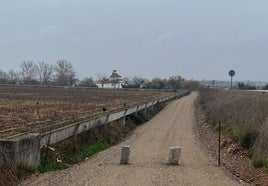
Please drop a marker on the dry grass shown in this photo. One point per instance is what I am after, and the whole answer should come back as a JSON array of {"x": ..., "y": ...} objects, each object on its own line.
[
  {"x": 8, "y": 173},
  {"x": 244, "y": 116}
]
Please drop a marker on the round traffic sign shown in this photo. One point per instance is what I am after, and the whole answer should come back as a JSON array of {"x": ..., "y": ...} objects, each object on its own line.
[{"x": 231, "y": 73}]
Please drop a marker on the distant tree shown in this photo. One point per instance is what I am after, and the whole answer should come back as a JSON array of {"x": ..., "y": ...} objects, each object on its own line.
[
  {"x": 3, "y": 77},
  {"x": 243, "y": 86},
  {"x": 190, "y": 85},
  {"x": 65, "y": 73},
  {"x": 134, "y": 82},
  {"x": 28, "y": 72},
  {"x": 87, "y": 82},
  {"x": 13, "y": 77},
  {"x": 45, "y": 72},
  {"x": 265, "y": 87},
  {"x": 250, "y": 87},
  {"x": 156, "y": 83},
  {"x": 102, "y": 78},
  {"x": 174, "y": 82},
  {"x": 137, "y": 81}
]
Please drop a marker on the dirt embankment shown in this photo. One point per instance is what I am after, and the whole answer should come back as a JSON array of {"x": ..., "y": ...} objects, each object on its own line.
[{"x": 149, "y": 143}]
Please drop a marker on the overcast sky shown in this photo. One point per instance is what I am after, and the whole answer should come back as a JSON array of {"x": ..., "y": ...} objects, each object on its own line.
[{"x": 197, "y": 39}]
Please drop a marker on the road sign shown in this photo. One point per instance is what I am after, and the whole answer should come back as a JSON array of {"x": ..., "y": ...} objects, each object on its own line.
[{"x": 231, "y": 73}]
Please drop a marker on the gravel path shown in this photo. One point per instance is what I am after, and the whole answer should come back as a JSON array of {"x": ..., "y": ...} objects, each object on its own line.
[{"x": 149, "y": 143}]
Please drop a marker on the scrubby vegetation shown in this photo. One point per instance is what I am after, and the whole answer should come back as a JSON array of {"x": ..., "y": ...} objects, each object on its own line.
[
  {"x": 8, "y": 172},
  {"x": 244, "y": 116}
]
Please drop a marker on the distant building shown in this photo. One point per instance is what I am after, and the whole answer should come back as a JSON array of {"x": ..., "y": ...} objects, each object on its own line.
[{"x": 114, "y": 81}]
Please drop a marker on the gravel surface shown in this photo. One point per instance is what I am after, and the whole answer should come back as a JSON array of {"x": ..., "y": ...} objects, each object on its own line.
[{"x": 173, "y": 126}]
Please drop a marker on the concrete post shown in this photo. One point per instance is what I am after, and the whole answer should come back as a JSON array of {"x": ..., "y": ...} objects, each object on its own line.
[
  {"x": 125, "y": 152},
  {"x": 136, "y": 113},
  {"x": 174, "y": 155},
  {"x": 124, "y": 121},
  {"x": 124, "y": 118},
  {"x": 145, "y": 109}
]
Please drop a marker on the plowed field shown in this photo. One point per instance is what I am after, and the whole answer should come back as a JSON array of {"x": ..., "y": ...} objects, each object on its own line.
[{"x": 35, "y": 109}]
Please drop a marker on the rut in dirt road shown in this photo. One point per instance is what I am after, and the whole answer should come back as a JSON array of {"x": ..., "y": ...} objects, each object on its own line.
[{"x": 149, "y": 143}]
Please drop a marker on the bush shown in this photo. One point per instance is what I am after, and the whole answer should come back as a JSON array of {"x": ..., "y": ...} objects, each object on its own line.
[
  {"x": 232, "y": 133},
  {"x": 248, "y": 139},
  {"x": 257, "y": 163}
]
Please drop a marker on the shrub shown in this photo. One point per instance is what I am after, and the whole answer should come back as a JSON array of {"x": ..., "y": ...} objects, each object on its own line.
[
  {"x": 257, "y": 163},
  {"x": 247, "y": 140},
  {"x": 232, "y": 133}
]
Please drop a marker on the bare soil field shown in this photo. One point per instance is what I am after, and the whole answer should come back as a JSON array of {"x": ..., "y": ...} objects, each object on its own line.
[
  {"x": 36, "y": 109},
  {"x": 173, "y": 126}
]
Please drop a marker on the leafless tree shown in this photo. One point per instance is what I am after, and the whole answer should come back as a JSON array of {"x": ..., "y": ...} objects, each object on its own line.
[
  {"x": 3, "y": 77},
  {"x": 102, "y": 78},
  {"x": 87, "y": 82},
  {"x": 137, "y": 80},
  {"x": 13, "y": 77},
  {"x": 28, "y": 72},
  {"x": 175, "y": 82},
  {"x": 45, "y": 72},
  {"x": 65, "y": 73}
]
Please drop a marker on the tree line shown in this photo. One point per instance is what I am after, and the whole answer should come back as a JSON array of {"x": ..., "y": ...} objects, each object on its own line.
[
  {"x": 173, "y": 83},
  {"x": 243, "y": 86},
  {"x": 63, "y": 73}
]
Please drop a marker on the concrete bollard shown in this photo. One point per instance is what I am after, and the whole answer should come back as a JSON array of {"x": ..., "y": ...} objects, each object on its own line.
[
  {"x": 125, "y": 152},
  {"x": 174, "y": 155}
]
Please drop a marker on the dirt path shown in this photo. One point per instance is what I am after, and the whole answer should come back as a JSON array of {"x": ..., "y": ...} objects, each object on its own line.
[{"x": 149, "y": 148}]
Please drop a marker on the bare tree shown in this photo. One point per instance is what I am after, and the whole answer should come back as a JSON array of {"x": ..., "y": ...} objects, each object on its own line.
[
  {"x": 45, "y": 72},
  {"x": 87, "y": 82},
  {"x": 157, "y": 83},
  {"x": 137, "y": 80},
  {"x": 102, "y": 78},
  {"x": 190, "y": 85},
  {"x": 28, "y": 72},
  {"x": 13, "y": 77},
  {"x": 3, "y": 77},
  {"x": 175, "y": 82},
  {"x": 65, "y": 73}
]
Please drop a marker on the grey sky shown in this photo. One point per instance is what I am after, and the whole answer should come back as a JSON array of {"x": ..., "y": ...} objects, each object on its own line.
[{"x": 199, "y": 39}]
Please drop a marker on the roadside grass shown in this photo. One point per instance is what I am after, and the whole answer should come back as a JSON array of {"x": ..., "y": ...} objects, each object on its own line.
[
  {"x": 79, "y": 156},
  {"x": 244, "y": 118},
  {"x": 89, "y": 151}
]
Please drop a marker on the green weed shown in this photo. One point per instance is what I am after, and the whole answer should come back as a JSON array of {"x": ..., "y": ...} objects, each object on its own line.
[{"x": 52, "y": 165}]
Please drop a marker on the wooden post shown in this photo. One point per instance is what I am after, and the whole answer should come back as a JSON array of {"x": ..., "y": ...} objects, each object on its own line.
[
  {"x": 125, "y": 152},
  {"x": 219, "y": 156},
  {"x": 174, "y": 155}
]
